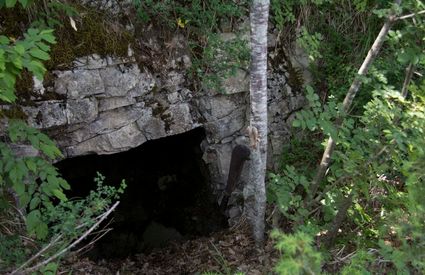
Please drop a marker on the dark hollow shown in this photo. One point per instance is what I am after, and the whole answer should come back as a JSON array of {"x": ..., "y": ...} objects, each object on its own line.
[{"x": 168, "y": 196}]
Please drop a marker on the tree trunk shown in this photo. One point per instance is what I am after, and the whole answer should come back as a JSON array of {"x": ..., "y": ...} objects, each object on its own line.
[
  {"x": 409, "y": 74},
  {"x": 258, "y": 120}
]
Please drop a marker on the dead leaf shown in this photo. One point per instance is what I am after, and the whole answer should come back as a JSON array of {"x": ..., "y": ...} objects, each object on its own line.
[{"x": 72, "y": 22}]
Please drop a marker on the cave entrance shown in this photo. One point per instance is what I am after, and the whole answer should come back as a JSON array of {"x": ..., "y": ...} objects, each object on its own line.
[{"x": 168, "y": 195}]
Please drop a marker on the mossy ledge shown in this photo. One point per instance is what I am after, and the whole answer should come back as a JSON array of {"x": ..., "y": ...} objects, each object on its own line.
[{"x": 96, "y": 33}]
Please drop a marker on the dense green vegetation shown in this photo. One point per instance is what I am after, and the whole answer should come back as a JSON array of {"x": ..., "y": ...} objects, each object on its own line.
[{"x": 370, "y": 207}]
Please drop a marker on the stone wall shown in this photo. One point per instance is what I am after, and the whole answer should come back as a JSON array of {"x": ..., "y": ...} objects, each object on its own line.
[{"x": 109, "y": 105}]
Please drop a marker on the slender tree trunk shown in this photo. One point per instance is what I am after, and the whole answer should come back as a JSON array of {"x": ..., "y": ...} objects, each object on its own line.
[
  {"x": 258, "y": 120},
  {"x": 409, "y": 74},
  {"x": 348, "y": 100}
]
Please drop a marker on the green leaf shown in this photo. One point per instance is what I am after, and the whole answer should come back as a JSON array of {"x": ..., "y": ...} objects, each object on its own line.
[
  {"x": 13, "y": 175},
  {"x": 31, "y": 165},
  {"x": 47, "y": 32},
  {"x": 20, "y": 49},
  {"x": 64, "y": 184},
  {"x": 19, "y": 187},
  {"x": 24, "y": 3},
  {"x": 311, "y": 123},
  {"x": 43, "y": 46},
  {"x": 36, "y": 68},
  {"x": 53, "y": 181},
  {"x": 10, "y": 3},
  {"x": 17, "y": 61},
  {"x": 50, "y": 269},
  {"x": 59, "y": 194},
  {"x": 35, "y": 202},
  {"x": 32, "y": 219},
  {"x": 7, "y": 95},
  {"x": 41, "y": 230},
  {"x": 24, "y": 199},
  {"x": 296, "y": 123},
  {"x": 32, "y": 32},
  {"x": 37, "y": 53},
  {"x": 50, "y": 150},
  {"x": 4, "y": 40},
  {"x": 47, "y": 35},
  {"x": 404, "y": 57}
]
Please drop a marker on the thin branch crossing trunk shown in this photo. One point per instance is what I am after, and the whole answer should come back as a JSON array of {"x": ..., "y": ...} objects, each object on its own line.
[{"x": 348, "y": 100}]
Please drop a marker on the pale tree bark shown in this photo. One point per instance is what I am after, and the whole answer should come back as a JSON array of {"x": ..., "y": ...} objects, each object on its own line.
[
  {"x": 348, "y": 100},
  {"x": 258, "y": 120}
]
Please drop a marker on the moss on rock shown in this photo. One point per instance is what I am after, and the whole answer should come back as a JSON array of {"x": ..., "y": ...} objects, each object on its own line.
[{"x": 95, "y": 34}]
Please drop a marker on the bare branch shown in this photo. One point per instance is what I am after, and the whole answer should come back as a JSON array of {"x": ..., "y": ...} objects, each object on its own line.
[
  {"x": 410, "y": 15},
  {"x": 38, "y": 254},
  {"x": 45, "y": 262}
]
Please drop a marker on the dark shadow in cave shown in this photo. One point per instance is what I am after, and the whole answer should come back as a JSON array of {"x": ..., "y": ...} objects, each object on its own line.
[{"x": 168, "y": 194}]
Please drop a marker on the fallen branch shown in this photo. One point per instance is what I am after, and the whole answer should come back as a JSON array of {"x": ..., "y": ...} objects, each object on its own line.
[
  {"x": 98, "y": 235},
  {"x": 37, "y": 254},
  {"x": 55, "y": 256}
]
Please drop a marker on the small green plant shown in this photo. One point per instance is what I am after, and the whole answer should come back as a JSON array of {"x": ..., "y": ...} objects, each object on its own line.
[
  {"x": 33, "y": 179},
  {"x": 66, "y": 222},
  {"x": 298, "y": 255},
  {"x": 64, "y": 217},
  {"x": 359, "y": 264},
  {"x": 285, "y": 190},
  {"x": 219, "y": 60},
  {"x": 310, "y": 43}
]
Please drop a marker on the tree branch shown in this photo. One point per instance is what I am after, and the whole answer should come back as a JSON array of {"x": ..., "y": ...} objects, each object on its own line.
[
  {"x": 348, "y": 100},
  {"x": 410, "y": 15}
]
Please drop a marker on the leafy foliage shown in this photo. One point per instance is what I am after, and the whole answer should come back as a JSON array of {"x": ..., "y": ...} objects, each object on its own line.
[
  {"x": 71, "y": 218},
  {"x": 219, "y": 60},
  {"x": 284, "y": 189},
  {"x": 375, "y": 168},
  {"x": 33, "y": 179},
  {"x": 66, "y": 221},
  {"x": 28, "y": 53},
  {"x": 298, "y": 254}
]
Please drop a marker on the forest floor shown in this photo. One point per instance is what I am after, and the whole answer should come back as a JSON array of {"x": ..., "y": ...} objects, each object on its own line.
[{"x": 226, "y": 252}]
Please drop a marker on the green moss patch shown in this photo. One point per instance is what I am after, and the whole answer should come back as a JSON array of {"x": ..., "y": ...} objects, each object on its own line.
[{"x": 94, "y": 35}]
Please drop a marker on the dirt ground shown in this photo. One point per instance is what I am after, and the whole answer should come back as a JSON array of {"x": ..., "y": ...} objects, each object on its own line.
[{"x": 226, "y": 252}]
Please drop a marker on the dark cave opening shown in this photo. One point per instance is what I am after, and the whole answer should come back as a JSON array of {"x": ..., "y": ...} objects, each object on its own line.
[{"x": 168, "y": 195}]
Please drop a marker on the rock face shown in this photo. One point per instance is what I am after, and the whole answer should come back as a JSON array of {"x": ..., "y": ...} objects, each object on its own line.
[{"x": 110, "y": 105}]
